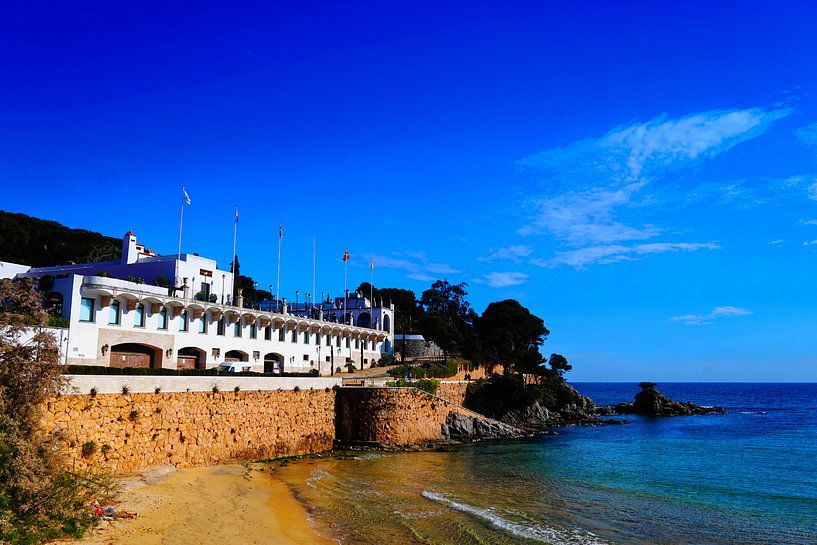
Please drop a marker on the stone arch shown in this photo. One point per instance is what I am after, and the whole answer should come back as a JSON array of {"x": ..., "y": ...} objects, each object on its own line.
[
  {"x": 273, "y": 363},
  {"x": 137, "y": 355},
  {"x": 236, "y": 355},
  {"x": 364, "y": 319},
  {"x": 387, "y": 323},
  {"x": 191, "y": 357}
]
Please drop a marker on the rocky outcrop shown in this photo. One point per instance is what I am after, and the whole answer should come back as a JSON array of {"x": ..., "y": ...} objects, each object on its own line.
[
  {"x": 651, "y": 402},
  {"x": 464, "y": 427}
]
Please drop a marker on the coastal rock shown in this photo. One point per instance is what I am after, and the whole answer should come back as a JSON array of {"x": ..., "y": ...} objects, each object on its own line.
[
  {"x": 464, "y": 427},
  {"x": 651, "y": 402}
]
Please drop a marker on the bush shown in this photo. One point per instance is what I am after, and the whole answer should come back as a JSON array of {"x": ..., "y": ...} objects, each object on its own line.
[
  {"x": 88, "y": 449},
  {"x": 58, "y": 321},
  {"x": 427, "y": 385},
  {"x": 350, "y": 367},
  {"x": 386, "y": 360}
]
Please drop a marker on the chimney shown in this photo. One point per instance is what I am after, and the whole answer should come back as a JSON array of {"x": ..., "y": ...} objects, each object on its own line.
[{"x": 129, "y": 253}]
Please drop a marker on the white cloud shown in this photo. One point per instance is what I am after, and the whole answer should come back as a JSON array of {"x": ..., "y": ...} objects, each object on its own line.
[
  {"x": 607, "y": 176},
  {"x": 777, "y": 241},
  {"x": 587, "y": 217},
  {"x": 730, "y": 311},
  {"x": 415, "y": 264},
  {"x": 639, "y": 150},
  {"x": 808, "y": 222},
  {"x": 614, "y": 253},
  {"x": 515, "y": 253},
  {"x": 503, "y": 279},
  {"x": 717, "y": 312},
  {"x": 809, "y": 242}
]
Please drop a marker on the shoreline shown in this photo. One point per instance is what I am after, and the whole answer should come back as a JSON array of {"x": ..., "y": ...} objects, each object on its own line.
[{"x": 236, "y": 504}]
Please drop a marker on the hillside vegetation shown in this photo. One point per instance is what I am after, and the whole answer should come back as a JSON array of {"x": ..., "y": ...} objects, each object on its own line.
[{"x": 42, "y": 243}]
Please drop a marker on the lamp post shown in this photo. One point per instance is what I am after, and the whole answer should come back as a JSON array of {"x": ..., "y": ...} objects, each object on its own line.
[{"x": 223, "y": 277}]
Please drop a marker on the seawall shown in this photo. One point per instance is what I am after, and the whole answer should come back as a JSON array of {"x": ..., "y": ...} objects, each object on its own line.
[
  {"x": 395, "y": 416},
  {"x": 123, "y": 433}
]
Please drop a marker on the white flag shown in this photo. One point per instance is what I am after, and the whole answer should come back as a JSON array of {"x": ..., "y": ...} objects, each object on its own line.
[{"x": 186, "y": 196}]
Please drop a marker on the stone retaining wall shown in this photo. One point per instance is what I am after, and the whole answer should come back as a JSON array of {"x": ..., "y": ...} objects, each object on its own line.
[
  {"x": 123, "y": 433},
  {"x": 389, "y": 416},
  {"x": 136, "y": 384},
  {"x": 453, "y": 391}
]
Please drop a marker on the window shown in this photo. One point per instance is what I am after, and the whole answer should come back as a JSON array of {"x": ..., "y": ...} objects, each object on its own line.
[
  {"x": 203, "y": 323},
  {"x": 139, "y": 316},
  {"x": 237, "y": 328},
  {"x": 329, "y": 340},
  {"x": 253, "y": 331},
  {"x": 183, "y": 321},
  {"x": 220, "y": 327},
  {"x": 268, "y": 333},
  {"x": 365, "y": 345},
  {"x": 357, "y": 343},
  {"x": 337, "y": 341},
  {"x": 348, "y": 342},
  {"x": 306, "y": 337},
  {"x": 294, "y": 336},
  {"x": 113, "y": 313},
  {"x": 163, "y": 318},
  {"x": 318, "y": 339},
  {"x": 87, "y": 309},
  {"x": 282, "y": 334}
]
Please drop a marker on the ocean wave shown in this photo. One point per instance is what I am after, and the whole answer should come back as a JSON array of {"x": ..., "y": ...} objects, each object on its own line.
[{"x": 543, "y": 534}]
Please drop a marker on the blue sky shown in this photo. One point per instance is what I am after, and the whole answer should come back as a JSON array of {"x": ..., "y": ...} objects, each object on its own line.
[{"x": 644, "y": 177}]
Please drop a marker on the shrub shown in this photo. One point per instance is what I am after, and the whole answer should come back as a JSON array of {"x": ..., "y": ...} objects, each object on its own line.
[
  {"x": 93, "y": 391},
  {"x": 58, "y": 321},
  {"x": 158, "y": 390},
  {"x": 428, "y": 385},
  {"x": 134, "y": 415},
  {"x": 427, "y": 370},
  {"x": 215, "y": 388},
  {"x": 296, "y": 389},
  {"x": 125, "y": 390},
  {"x": 88, "y": 449},
  {"x": 41, "y": 497},
  {"x": 350, "y": 367},
  {"x": 237, "y": 389},
  {"x": 385, "y": 360},
  {"x": 314, "y": 373}
]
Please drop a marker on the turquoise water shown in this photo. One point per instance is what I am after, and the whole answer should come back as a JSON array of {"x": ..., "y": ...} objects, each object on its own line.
[{"x": 747, "y": 477}]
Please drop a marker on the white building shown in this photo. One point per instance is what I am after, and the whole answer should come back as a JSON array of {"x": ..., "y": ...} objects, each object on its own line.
[{"x": 117, "y": 317}]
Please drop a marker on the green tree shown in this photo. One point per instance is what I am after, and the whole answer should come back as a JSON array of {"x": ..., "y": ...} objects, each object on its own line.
[
  {"x": 448, "y": 319},
  {"x": 559, "y": 364},
  {"x": 510, "y": 334}
]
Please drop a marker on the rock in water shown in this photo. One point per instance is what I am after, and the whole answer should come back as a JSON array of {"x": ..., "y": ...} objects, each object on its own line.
[{"x": 650, "y": 402}]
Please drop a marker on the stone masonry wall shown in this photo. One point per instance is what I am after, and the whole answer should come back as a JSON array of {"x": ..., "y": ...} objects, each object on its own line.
[
  {"x": 124, "y": 433},
  {"x": 389, "y": 416},
  {"x": 452, "y": 391}
]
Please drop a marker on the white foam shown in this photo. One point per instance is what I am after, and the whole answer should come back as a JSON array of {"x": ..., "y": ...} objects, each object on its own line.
[{"x": 543, "y": 534}]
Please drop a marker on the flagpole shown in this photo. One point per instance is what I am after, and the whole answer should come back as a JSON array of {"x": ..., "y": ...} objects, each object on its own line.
[
  {"x": 181, "y": 222},
  {"x": 314, "y": 295},
  {"x": 278, "y": 279},
  {"x": 371, "y": 292},
  {"x": 235, "y": 236}
]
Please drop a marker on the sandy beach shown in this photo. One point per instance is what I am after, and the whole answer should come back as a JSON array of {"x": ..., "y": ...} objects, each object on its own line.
[{"x": 203, "y": 506}]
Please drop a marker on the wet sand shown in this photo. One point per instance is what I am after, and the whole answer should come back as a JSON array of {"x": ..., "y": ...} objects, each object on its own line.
[{"x": 203, "y": 506}]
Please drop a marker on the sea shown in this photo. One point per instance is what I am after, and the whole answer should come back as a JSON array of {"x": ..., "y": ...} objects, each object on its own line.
[{"x": 746, "y": 477}]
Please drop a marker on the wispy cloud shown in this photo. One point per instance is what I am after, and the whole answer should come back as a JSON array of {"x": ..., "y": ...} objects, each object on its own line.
[
  {"x": 415, "y": 264},
  {"x": 587, "y": 217},
  {"x": 632, "y": 152},
  {"x": 717, "y": 312},
  {"x": 608, "y": 176},
  {"x": 808, "y": 134},
  {"x": 808, "y": 222},
  {"x": 515, "y": 253},
  {"x": 776, "y": 241},
  {"x": 615, "y": 253},
  {"x": 503, "y": 279},
  {"x": 809, "y": 242}
]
